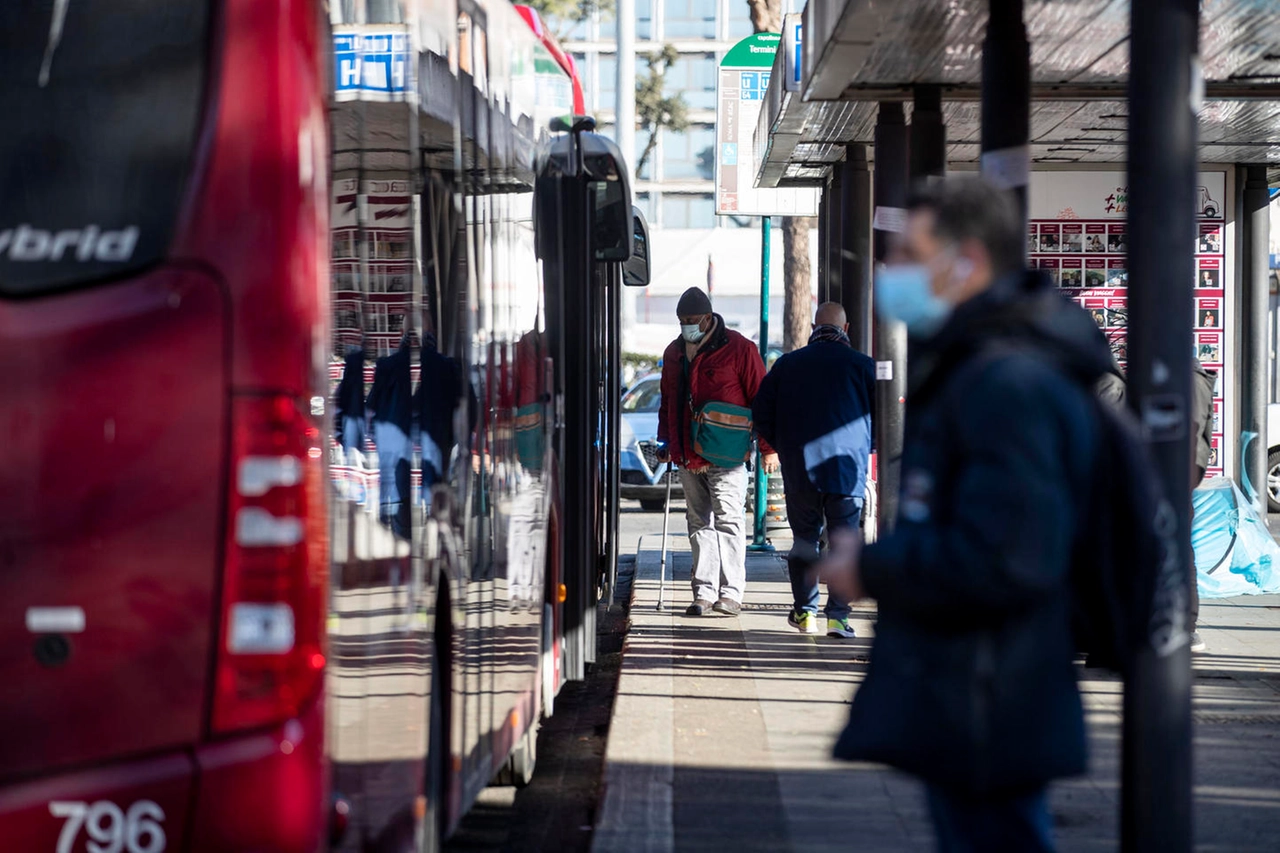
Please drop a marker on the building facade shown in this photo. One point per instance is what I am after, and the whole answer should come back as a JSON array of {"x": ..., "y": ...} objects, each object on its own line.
[{"x": 674, "y": 187}]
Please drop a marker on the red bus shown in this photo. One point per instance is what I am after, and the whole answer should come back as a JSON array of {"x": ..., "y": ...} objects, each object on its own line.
[{"x": 246, "y": 609}]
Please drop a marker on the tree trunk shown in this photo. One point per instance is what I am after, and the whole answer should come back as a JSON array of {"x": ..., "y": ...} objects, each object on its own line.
[
  {"x": 798, "y": 281},
  {"x": 766, "y": 17}
]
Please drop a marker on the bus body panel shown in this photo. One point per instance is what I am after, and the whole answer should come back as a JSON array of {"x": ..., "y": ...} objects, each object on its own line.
[
  {"x": 115, "y": 434},
  {"x": 259, "y": 209},
  {"x": 264, "y": 791},
  {"x": 52, "y": 814},
  {"x": 120, "y": 386}
]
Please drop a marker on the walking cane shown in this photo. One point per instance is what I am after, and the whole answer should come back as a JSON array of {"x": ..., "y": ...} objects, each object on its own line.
[{"x": 666, "y": 515}]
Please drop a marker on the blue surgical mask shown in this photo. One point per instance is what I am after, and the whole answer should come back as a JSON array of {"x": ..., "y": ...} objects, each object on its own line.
[
  {"x": 903, "y": 293},
  {"x": 692, "y": 332}
]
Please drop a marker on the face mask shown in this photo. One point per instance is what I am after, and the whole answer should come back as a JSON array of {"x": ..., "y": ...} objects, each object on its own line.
[
  {"x": 692, "y": 332},
  {"x": 903, "y": 293}
]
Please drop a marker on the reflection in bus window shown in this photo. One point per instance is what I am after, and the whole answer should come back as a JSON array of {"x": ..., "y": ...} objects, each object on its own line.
[
  {"x": 390, "y": 407},
  {"x": 439, "y": 389}
]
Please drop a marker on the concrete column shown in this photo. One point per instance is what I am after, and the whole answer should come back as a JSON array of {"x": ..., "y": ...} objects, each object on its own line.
[
  {"x": 1006, "y": 99},
  {"x": 1255, "y": 299},
  {"x": 855, "y": 245},
  {"x": 824, "y": 215},
  {"x": 890, "y": 347},
  {"x": 835, "y": 217},
  {"x": 928, "y": 135}
]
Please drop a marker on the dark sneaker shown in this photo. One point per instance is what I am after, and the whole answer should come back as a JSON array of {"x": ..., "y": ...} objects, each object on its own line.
[
  {"x": 804, "y": 622},
  {"x": 840, "y": 628},
  {"x": 727, "y": 606},
  {"x": 1197, "y": 644},
  {"x": 697, "y": 608}
]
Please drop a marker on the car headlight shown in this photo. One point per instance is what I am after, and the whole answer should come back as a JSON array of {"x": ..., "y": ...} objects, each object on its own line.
[{"x": 626, "y": 435}]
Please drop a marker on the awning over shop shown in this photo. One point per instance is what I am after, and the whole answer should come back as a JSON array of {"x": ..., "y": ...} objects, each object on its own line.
[{"x": 855, "y": 53}]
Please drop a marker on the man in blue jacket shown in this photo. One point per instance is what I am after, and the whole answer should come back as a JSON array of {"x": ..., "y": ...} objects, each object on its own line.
[
  {"x": 814, "y": 408},
  {"x": 971, "y": 684}
]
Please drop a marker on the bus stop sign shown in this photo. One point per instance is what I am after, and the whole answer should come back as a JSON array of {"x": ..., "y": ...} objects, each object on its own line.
[{"x": 740, "y": 90}]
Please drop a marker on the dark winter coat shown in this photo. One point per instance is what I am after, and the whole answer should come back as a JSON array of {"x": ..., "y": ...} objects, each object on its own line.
[
  {"x": 726, "y": 369},
  {"x": 815, "y": 408},
  {"x": 1112, "y": 389},
  {"x": 1202, "y": 382},
  {"x": 971, "y": 683},
  {"x": 390, "y": 398},
  {"x": 435, "y": 400},
  {"x": 349, "y": 398}
]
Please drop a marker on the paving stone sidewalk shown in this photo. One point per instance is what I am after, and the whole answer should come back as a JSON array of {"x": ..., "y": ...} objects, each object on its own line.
[{"x": 722, "y": 732}]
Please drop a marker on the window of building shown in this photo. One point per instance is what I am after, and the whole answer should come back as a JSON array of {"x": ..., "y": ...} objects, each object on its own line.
[
  {"x": 688, "y": 210},
  {"x": 739, "y": 21},
  {"x": 690, "y": 18},
  {"x": 694, "y": 76},
  {"x": 689, "y": 155},
  {"x": 566, "y": 31},
  {"x": 607, "y": 84},
  {"x": 644, "y": 22},
  {"x": 607, "y": 81},
  {"x": 645, "y": 202}
]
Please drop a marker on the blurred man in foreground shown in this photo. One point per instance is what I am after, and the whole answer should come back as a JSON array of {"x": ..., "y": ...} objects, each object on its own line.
[
  {"x": 815, "y": 408},
  {"x": 972, "y": 685}
]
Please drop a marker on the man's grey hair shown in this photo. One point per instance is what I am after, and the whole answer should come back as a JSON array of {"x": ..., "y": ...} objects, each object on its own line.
[{"x": 970, "y": 208}]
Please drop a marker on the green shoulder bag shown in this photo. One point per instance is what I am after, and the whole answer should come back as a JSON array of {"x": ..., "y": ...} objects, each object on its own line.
[{"x": 721, "y": 432}]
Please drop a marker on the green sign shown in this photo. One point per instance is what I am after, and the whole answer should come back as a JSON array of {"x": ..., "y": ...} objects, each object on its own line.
[
  {"x": 741, "y": 84},
  {"x": 755, "y": 51}
]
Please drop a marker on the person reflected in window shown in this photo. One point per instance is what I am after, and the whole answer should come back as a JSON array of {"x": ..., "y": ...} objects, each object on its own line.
[
  {"x": 348, "y": 408},
  {"x": 390, "y": 406},
  {"x": 434, "y": 404}
]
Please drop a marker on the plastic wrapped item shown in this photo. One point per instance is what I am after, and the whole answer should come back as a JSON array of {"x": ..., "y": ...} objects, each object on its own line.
[{"x": 1235, "y": 554}]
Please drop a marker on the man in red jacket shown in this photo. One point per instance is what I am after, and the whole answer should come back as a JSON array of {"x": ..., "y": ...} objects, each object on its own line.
[{"x": 723, "y": 367}]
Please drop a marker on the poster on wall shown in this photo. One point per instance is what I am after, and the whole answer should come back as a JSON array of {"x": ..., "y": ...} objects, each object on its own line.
[{"x": 1078, "y": 236}]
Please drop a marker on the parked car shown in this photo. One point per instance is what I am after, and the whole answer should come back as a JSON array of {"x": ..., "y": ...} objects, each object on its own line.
[
  {"x": 641, "y": 473},
  {"x": 1273, "y": 457}
]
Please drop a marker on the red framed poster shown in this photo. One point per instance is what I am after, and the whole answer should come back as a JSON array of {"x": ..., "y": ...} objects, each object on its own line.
[{"x": 1087, "y": 260}]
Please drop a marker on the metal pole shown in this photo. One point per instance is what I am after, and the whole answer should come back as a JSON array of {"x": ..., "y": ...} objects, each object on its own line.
[
  {"x": 625, "y": 127},
  {"x": 835, "y": 215},
  {"x": 855, "y": 242},
  {"x": 1255, "y": 300},
  {"x": 890, "y": 350},
  {"x": 1006, "y": 100},
  {"x": 824, "y": 235},
  {"x": 759, "y": 542},
  {"x": 928, "y": 135},
  {"x": 1156, "y": 764}
]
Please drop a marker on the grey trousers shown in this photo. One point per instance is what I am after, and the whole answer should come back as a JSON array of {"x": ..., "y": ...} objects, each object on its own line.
[{"x": 716, "y": 511}]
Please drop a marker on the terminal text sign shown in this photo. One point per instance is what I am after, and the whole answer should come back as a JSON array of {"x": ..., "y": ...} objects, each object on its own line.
[{"x": 740, "y": 91}]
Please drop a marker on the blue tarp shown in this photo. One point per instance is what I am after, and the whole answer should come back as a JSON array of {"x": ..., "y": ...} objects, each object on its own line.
[{"x": 1235, "y": 554}]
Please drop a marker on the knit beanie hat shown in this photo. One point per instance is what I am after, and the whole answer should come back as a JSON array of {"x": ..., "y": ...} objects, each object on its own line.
[{"x": 693, "y": 302}]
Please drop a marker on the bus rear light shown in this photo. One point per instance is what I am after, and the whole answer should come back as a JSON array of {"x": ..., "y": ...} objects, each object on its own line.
[
  {"x": 258, "y": 528},
  {"x": 258, "y": 475},
  {"x": 260, "y": 629},
  {"x": 271, "y": 651}
]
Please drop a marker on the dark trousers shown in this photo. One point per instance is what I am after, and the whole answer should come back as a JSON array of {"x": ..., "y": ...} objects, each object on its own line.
[
  {"x": 810, "y": 514},
  {"x": 1018, "y": 824}
]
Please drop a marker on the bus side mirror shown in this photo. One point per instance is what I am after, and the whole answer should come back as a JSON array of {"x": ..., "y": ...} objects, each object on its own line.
[
  {"x": 635, "y": 269},
  {"x": 610, "y": 212}
]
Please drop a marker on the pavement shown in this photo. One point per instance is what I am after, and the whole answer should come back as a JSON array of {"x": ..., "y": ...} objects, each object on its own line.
[{"x": 722, "y": 730}]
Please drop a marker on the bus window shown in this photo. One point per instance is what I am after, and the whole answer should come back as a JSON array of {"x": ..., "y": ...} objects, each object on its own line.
[{"x": 101, "y": 108}]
